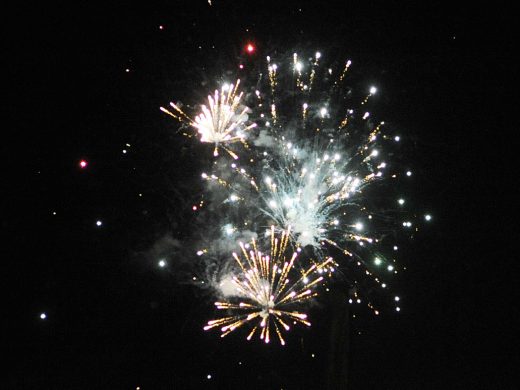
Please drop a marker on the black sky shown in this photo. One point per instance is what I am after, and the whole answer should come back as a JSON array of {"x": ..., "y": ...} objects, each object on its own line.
[{"x": 116, "y": 321}]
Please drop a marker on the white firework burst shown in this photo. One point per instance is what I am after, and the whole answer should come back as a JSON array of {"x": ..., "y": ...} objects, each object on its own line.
[{"x": 222, "y": 121}]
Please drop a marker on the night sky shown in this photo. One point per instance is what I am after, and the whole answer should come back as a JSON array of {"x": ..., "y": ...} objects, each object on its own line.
[{"x": 87, "y": 83}]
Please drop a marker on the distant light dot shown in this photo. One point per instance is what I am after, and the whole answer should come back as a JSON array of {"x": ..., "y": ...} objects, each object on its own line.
[
  {"x": 377, "y": 261},
  {"x": 318, "y": 55},
  {"x": 162, "y": 263},
  {"x": 127, "y": 70},
  {"x": 397, "y": 308},
  {"x": 194, "y": 208},
  {"x": 397, "y": 138},
  {"x": 124, "y": 151},
  {"x": 250, "y": 48},
  {"x": 359, "y": 226},
  {"x": 99, "y": 223},
  {"x": 383, "y": 285},
  {"x": 323, "y": 112},
  {"x": 409, "y": 173},
  {"x": 299, "y": 66},
  {"x": 209, "y": 376},
  {"x": 313, "y": 355},
  {"x": 428, "y": 217},
  {"x": 83, "y": 163},
  {"x": 373, "y": 90},
  {"x": 395, "y": 247},
  {"x": 401, "y": 201},
  {"x": 43, "y": 316},
  {"x": 161, "y": 27},
  {"x": 396, "y": 299},
  {"x": 54, "y": 213},
  {"x": 390, "y": 267},
  {"x": 241, "y": 66}
]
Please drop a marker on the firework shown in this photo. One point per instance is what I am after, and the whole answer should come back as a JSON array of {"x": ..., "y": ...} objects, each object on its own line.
[
  {"x": 318, "y": 169},
  {"x": 318, "y": 196},
  {"x": 267, "y": 288},
  {"x": 222, "y": 121},
  {"x": 320, "y": 164}
]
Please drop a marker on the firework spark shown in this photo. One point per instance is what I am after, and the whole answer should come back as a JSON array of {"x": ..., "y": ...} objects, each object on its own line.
[
  {"x": 222, "y": 121},
  {"x": 266, "y": 290}
]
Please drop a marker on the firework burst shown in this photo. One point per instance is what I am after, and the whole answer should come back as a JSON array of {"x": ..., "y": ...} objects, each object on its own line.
[
  {"x": 222, "y": 121},
  {"x": 267, "y": 288},
  {"x": 317, "y": 196}
]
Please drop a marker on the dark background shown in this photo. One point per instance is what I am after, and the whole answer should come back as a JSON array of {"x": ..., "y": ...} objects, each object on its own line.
[{"x": 118, "y": 321}]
